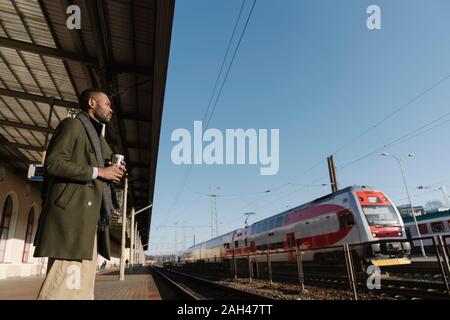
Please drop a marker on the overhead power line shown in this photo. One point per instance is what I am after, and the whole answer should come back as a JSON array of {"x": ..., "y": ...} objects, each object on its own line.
[
  {"x": 414, "y": 133},
  {"x": 231, "y": 64},
  {"x": 390, "y": 115},
  {"x": 188, "y": 171}
]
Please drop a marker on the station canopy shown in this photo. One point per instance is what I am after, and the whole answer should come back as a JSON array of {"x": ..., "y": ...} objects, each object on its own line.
[{"x": 121, "y": 46}]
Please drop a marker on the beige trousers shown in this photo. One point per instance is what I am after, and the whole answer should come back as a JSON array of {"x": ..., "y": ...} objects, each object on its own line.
[{"x": 70, "y": 279}]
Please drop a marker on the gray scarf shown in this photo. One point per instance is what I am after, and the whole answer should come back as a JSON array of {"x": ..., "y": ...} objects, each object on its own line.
[{"x": 107, "y": 204}]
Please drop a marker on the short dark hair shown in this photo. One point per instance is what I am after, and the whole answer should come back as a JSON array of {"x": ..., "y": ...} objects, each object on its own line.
[{"x": 86, "y": 95}]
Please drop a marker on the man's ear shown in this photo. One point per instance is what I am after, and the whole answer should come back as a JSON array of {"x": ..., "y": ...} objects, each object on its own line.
[{"x": 91, "y": 103}]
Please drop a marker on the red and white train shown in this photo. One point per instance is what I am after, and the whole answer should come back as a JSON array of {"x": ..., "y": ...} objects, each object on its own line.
[{"x": 353, "y": 215}]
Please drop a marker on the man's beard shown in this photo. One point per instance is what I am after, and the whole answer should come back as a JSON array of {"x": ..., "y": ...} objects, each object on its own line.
[{"x": 104, "y": 119}]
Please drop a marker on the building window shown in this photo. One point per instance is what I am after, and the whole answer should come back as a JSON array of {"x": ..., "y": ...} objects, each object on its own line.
[
  {"x": 423, "y": 228},
  {"x": 28, "y": 235},
  {"x": 4, "y": 225},
  {"x": 437, "y": 227}
]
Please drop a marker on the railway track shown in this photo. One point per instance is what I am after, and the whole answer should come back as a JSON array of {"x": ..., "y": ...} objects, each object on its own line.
[
  {"x": 195, "y": 288},
  {"x": 423, "y": 271},
  {"x": 429, "y": 272},
  {"x": 391, "y": 286},
  {"x": 417, "y": 269}
]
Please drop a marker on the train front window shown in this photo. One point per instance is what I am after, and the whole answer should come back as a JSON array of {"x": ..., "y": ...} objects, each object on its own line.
[{"x": 381, "y": 215}]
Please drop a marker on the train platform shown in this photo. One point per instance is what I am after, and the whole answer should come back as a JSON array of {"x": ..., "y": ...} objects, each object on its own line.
[{"x": 139, "y": 284}]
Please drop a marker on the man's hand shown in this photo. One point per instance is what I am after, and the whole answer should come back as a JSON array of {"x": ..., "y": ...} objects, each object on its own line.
[{"x": 112, "y": 173}]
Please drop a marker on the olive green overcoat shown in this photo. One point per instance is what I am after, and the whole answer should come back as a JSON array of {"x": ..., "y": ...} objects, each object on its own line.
[{"x": 73, "y": 201}]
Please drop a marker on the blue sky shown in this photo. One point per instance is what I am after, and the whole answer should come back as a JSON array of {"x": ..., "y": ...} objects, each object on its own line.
[{"x": 314, "y": 71}]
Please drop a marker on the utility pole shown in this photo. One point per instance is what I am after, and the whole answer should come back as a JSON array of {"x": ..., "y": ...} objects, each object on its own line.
[
  {"x": 183, "y": 234},
  {"x": 137, "y": 244},
  {"x": 333, "y": 175},
  {"x": 214, "y": 219},
  {"x": 124, "y": 224},
  {"x": 176, "y": 239},
  {"x": 175, "y": 226},
  {"x": 132, "y": 244}
]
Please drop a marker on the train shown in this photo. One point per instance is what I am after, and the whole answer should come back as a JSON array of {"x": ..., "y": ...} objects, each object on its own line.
[
  {"x": 430, "y": 224},
  {"x": 360, "y": 216}
]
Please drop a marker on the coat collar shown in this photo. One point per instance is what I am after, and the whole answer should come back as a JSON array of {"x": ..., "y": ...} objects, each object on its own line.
[{"x": 97, "y": 124}]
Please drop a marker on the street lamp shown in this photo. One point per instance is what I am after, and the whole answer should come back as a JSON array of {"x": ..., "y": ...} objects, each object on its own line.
[{"x": 399, "y": 160}]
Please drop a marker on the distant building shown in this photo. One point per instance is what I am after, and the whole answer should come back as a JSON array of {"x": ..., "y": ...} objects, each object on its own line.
[{"x": 405, "y": 210}]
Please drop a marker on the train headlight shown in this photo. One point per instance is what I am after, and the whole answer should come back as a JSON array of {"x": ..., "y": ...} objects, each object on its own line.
[
  {"x": 374, "y": 235},
  {"x": 400, "y": 234}
]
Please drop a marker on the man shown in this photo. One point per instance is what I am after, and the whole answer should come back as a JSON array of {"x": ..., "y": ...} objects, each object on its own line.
[{"x": 74, "y": 224}]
